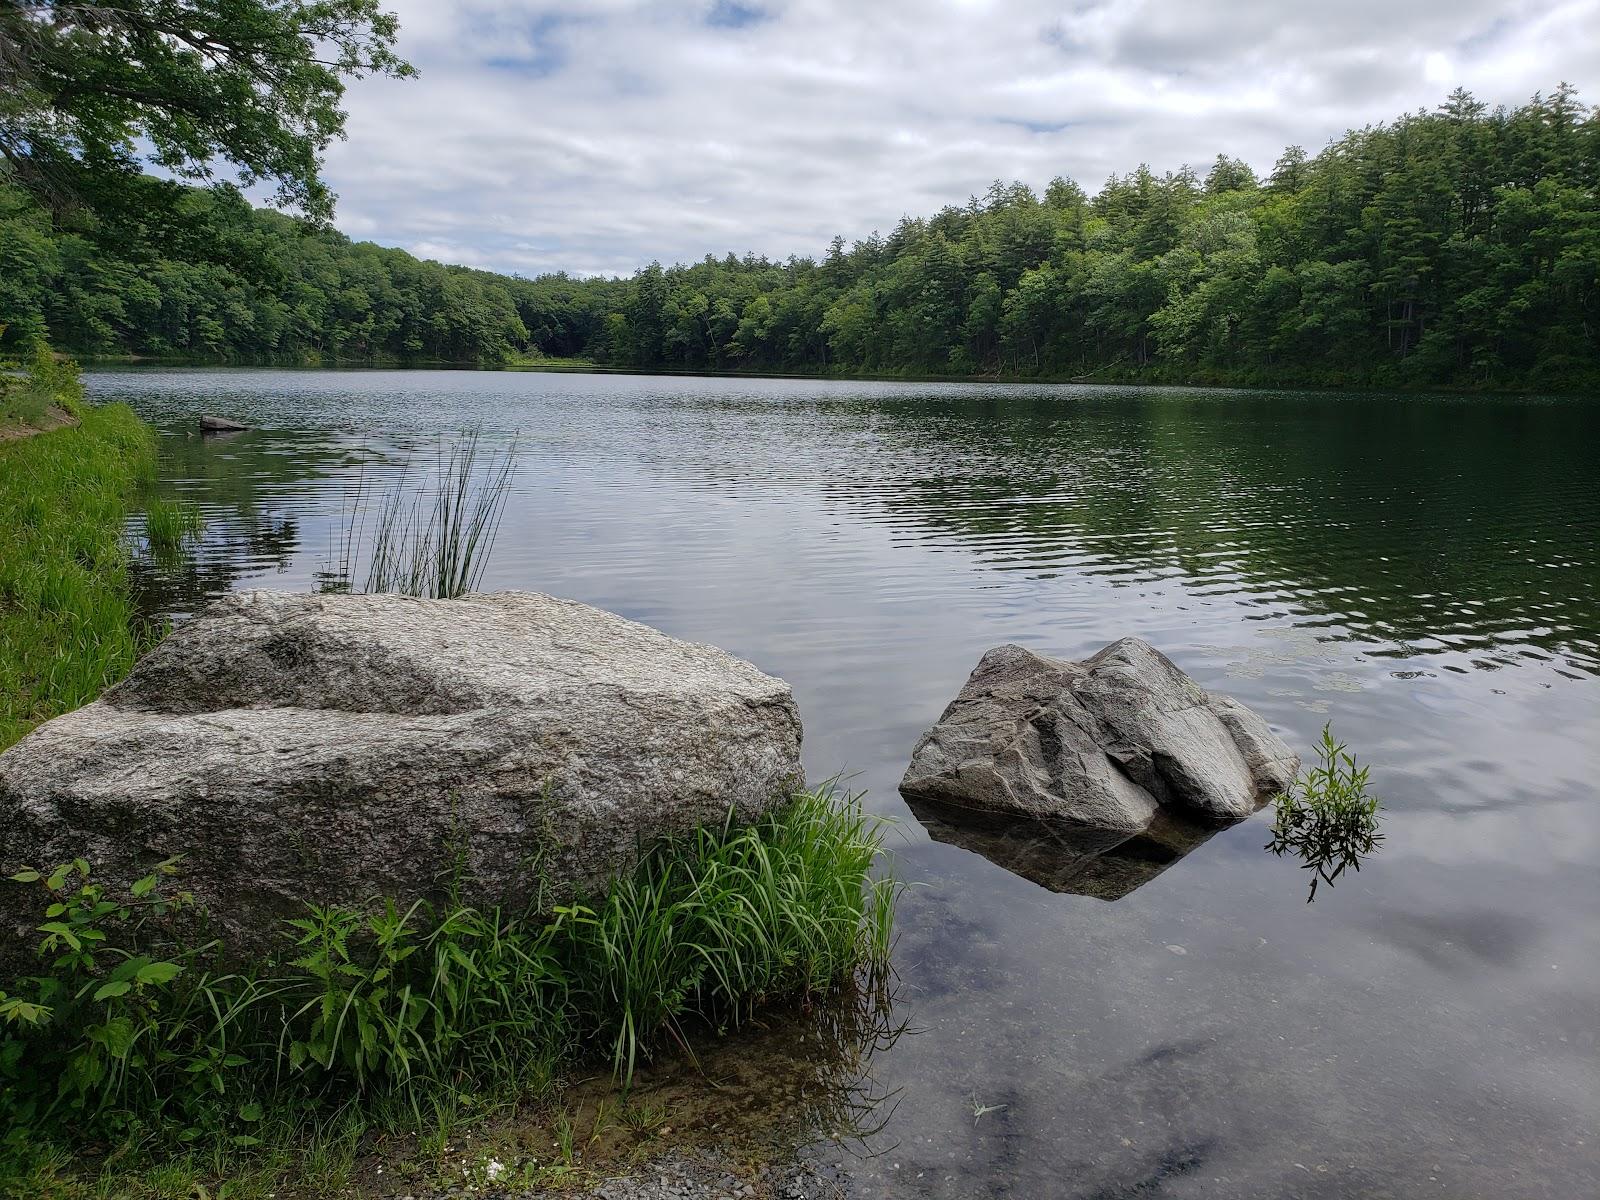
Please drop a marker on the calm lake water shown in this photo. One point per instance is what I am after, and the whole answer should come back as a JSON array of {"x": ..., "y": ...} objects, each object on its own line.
[{"x": 1423, "y": 572}]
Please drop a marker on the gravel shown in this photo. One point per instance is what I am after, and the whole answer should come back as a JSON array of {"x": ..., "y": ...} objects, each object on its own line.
[{"x": 681, "y": 1176}]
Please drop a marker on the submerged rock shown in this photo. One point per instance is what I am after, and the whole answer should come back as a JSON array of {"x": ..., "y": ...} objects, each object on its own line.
[
  {"x": 1105, "y": 744},
  {"x": 220, "y": 425},
  {"x": 342, "y": 747}
]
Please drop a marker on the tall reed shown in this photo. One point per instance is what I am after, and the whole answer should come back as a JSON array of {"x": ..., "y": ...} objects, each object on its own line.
[{"x": 434, "y": 539}]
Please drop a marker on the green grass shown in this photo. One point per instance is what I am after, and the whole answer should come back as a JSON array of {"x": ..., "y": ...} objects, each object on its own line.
[
  {"x": 68, "y": 626},
  {"x": 402, "y": 1017},
  {"x": 170, "y": 524}
]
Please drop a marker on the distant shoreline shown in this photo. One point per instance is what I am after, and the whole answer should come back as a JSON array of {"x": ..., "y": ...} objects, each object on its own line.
[{"x": 1102, "y": 378}]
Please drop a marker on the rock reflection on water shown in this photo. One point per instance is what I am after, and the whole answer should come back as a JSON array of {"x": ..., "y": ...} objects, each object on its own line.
[{"x": 1065, "y": 856}]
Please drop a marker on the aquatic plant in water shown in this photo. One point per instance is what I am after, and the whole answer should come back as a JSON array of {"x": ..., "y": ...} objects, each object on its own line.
[
  {"x": 169, "y": 524},
  {"x": 435, "y": 541},
  {"x": 1327, "y": 817}
]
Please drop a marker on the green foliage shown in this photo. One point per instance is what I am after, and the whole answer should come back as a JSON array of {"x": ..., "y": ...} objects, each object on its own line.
[
  {"x": 132, "y": 1029},
  {"x": 1327, "y": 817},
  {"x": 68, "y": 624},
  {"x": 1453, "y": 248},
  {"x": 713, "y": 925},
  {"x": 255, "y": 82},
  {"x": 30, "y": 391},
  {"x": 197, "y": 274}
]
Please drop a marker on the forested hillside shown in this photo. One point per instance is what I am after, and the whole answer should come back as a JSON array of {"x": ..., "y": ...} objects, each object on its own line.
[{"x": 1459, "y": 247}]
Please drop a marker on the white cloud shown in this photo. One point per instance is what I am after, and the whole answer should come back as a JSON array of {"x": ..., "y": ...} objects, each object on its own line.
[{"x": 600, "y": 135}]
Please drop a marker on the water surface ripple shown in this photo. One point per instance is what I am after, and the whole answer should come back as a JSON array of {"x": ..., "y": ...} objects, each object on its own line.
[{"x": 1422, "y": 571}]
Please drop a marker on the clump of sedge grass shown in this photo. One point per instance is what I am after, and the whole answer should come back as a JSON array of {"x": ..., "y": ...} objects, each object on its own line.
[
  {"x": 396, "y": 1010},
  {"x": 1327, "y": 817},
  {"x": 170, "y": 524},
  {"x": 434, "y": 538},
  {"x": 710, "y": 926}
]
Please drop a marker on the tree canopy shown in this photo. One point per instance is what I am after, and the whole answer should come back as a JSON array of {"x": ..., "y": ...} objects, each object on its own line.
[
  {"x": 1459, "y": 247},
  {"x": 254, "y": 83}
]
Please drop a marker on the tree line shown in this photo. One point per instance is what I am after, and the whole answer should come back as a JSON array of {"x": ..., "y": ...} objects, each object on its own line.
[{"x": 1458, "y": 247}]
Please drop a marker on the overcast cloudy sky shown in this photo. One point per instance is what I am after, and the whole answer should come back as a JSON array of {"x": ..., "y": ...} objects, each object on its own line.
[{"x": 598, "y": 135}]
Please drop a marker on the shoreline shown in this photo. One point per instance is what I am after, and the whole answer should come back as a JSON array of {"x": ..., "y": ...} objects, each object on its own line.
[{"x": 559, "y": 367}]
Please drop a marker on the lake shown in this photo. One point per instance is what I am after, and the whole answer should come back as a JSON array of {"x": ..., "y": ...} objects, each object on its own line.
[{"x": 1423, "y": 572}]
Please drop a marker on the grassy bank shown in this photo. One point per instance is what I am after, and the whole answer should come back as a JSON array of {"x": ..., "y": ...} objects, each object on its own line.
[
  {"x": 68, "y": 627},
  {"x": 134, "y": 1064}
]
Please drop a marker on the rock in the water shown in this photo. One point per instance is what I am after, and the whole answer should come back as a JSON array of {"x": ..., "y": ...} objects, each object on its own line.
[
  {"x": 340, "y": 748},
  {"x": 220, "y": 425},
  {"x": 1106, "y": 743}
]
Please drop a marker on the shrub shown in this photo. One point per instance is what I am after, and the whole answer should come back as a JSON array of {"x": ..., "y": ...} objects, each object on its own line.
[{"x": 45, "y": 383}]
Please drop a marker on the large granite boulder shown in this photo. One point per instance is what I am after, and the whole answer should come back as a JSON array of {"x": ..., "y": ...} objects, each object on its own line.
[
  {"x": 1106, "y": 743},
  {"x": 340, "y": 748}
]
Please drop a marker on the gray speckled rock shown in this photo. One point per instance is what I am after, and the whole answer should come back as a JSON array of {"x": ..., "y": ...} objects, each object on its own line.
[
  {"x": 313, "y": 748},
  {"x": 1106, "y": 742}
]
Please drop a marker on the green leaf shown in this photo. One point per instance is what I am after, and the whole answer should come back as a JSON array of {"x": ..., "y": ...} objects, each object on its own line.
[
  {"x": 250, "y": 1112},
  {"x": 143, "y": 887},
  {"x": 27, "y": 875},
  {"x": 22, "y": 1012},
  {"x": 116, "y": 1036},
  {"x": 159, "y": 972},
  {"x": 57, "y": 929},
  {"x": 110, "y": 991}
]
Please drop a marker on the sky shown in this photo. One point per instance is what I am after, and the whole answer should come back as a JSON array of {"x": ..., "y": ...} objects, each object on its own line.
[{"x": 597, "y": 136}]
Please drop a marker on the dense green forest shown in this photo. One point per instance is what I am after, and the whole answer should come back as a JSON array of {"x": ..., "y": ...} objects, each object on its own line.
[{"x": 1454, "y": 248}]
